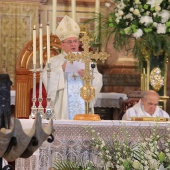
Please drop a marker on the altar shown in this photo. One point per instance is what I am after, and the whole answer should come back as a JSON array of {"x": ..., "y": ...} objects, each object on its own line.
[{"x": 73, "y": 142}]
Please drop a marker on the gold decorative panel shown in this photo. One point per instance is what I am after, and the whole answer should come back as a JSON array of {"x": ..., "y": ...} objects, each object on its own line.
[{"x": 16, "y": 24}]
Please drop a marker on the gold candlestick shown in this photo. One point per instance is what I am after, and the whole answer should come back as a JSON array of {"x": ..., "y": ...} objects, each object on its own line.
[{"x": 87, "y": 92}]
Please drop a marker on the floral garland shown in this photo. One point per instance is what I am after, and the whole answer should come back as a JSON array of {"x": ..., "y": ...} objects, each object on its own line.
[{"x": 146, "y": 23}]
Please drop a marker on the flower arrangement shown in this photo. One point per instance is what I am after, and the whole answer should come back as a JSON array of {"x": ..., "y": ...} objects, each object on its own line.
[
  {"x": 144, "y": 23},
  {"x": 152, "y": 153}
]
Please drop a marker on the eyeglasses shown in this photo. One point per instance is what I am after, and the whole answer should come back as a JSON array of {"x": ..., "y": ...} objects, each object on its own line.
[{"x": 71, "y": 42}]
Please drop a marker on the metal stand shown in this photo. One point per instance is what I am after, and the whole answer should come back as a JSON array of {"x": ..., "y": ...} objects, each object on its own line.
[
  {"x": 34, "y": 108},
  {"x": 49, "y": 112},
  {"x": 92, "y": 104},
  {"x": 40, "y": 99},
  {"x": 6, "y": 167},
  {"x": 1, "y": 162}
]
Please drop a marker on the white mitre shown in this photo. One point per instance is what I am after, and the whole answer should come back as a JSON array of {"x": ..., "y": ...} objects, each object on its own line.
[{"x": 67, "y": 28}]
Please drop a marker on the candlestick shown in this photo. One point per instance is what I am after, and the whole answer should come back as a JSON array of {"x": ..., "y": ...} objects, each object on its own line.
[
  {"x": 97, "y": 6},
  {"x": 73, "y": 9},
  {"x": 41, "y": 45},
  {"x": 40, "y": 99},
  {"x": 48, "y": 43},
  {"x": 34, "y": 45},
  {"x": 54, "y": 17},
  {"x": 49, "y": 112},
  {"x": 33, "y": 108}
]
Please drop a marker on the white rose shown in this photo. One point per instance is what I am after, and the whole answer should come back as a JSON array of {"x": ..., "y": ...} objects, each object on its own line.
[
  {"x": 120, "y": 12},
  {"x": 154, "y": 3},
  {"x": 121, "y": 5},
  {"x": 138, "y": 33},
  {"x": 157, "y": 8},
  {"x": 146, "y": 20},
  {"x": 154, "y": 14},
  {"x": 117, "y": 15},
  {"x": 107, "y": 5},
  {"x": 131, "y": 9},
  {"x": 129, "y": 16},
  {"x": 136, "y": 12},
  {"x": 161, "y": 29},
  {"x": 165, "y": 15},
  {"x": 148, "y": 12},
  {"x": 137, "y": 2},
  {"x": 117, "y": 20},
  {"x": 155, "y": 24}
]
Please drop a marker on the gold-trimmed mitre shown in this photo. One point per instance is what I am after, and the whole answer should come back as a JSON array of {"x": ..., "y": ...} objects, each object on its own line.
[{"x": 67, "y": 28}]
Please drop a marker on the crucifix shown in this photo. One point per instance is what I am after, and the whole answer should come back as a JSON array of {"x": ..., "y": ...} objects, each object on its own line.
[{"x": 87, "y": 92}]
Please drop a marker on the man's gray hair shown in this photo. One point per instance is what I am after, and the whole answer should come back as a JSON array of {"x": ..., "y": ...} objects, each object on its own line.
[{"x": 148, "y": 93}]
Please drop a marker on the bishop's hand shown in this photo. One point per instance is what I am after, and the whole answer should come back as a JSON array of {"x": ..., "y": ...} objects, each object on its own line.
[{"x": 81, "y": 72}]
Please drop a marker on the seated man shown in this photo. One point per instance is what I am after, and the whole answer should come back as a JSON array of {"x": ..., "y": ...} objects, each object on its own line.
[{"x": 146, "y": 107}]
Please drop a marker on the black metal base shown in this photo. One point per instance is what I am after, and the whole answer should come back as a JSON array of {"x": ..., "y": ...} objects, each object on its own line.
[{"x": 6, "y": 167}]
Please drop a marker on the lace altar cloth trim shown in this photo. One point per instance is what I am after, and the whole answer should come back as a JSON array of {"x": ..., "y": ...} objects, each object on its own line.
[
  {"x": 73, "y": 142},
  {"x": 107, "y": 103}
]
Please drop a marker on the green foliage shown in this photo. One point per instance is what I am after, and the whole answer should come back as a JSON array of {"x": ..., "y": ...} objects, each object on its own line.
[
  {"x": 149, "y": 153},
  {"x": 145, "y": 24},
  {"x": 70, "y": 165}
]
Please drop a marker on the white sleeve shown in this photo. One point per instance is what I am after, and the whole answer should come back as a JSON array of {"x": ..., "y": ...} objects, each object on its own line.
[{"x": 129, "y": 113}]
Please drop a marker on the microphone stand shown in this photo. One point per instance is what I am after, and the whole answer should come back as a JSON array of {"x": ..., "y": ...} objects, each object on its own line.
[{"x": 92, "y": 104}]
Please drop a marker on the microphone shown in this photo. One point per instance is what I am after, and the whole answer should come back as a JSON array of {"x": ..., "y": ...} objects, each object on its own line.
[{"x": 93, "y": 65}]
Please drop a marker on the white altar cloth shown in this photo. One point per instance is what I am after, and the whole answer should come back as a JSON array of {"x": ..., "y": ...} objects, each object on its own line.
[{"x": 71, "y": 141}]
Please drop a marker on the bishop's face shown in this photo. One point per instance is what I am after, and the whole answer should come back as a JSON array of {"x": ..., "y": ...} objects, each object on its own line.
[{"x": 70, "y": 45}]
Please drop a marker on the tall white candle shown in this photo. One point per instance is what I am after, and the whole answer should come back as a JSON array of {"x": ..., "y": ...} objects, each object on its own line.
[
  {"x": 97, "y": 10},
  {"x": 97, "y": 6},
  {"x": 41, "y": 45},
  {"x": 48, "y": 43},
  {"x": 34, "y": 45},
  {"x": 73, "y": 9},
  {"x": 54, "y": 17}
]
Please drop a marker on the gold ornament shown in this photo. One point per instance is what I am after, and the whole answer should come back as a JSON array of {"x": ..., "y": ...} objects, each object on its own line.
[{"x": 156, "y": 80}]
